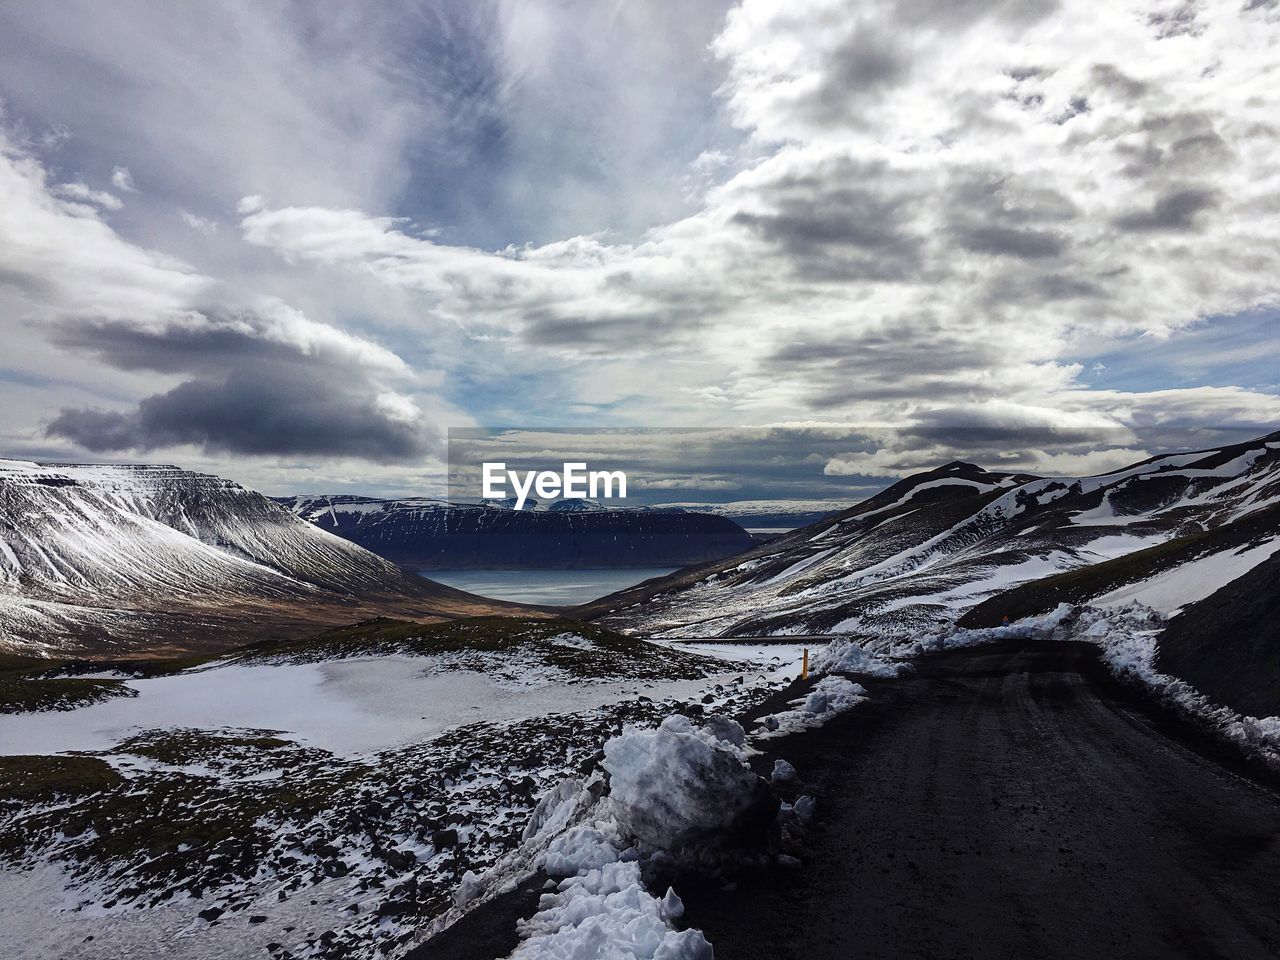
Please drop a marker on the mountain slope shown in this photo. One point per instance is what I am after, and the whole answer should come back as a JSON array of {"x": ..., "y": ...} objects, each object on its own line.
[
  {"x": 935, "y": 545},
  {"x": 426, "y": 534},
  {"x": 96, "y": 557},
  {"x": 1228, "y": 644}
]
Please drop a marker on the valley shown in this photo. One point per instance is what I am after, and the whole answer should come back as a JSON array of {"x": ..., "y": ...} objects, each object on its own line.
[{"x": 226, "y": 731}]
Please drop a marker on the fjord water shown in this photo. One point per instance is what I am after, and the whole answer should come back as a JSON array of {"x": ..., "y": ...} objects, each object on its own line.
[{"x": 545, "y": 587}]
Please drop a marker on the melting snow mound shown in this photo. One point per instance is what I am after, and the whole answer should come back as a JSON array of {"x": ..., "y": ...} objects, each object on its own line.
[{"x": 679, "y": 783}]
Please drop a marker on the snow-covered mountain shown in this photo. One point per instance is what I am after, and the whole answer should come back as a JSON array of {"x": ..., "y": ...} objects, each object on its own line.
[
  {"x": 960, "y": 543},
  {"x": 434, "y": 534},
  {"x": 584, "y": 505},
  {"x": 101, "y": 557}
]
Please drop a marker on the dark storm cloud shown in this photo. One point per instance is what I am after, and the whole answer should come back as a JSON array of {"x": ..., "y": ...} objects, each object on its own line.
[
  {"x": 173, "y": 348},
  {"x": 1169, "y": 146},
  {"x": 601, "y": 335},
  {"x": 1176, "y": 211},
  {"x": 1177, "y": 21},
  {"x": 1011, "y": 289},
  {"x": 253, "y": 390},
  {"x": 979, "y": 430},
  {"x": 261, "y": 409}
]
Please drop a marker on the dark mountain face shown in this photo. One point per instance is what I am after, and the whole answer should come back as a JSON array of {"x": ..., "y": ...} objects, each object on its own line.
[
  {"x": 959, "y": 541},
  {"x": 97, "y": 558},
  {"x": 1228, "y": 645},
  {"x": 433, "y": 534}
]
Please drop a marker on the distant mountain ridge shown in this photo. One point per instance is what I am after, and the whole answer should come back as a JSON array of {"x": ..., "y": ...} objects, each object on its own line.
[
  {"x": 760, "y": 514},
  {"x": 963, "y": 544},
  {"x": 431, "y": 534},
  {"x": 97, "y": 558}
]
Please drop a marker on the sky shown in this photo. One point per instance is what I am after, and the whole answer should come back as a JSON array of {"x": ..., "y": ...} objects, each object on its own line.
[{"x": 295, "y": 244}]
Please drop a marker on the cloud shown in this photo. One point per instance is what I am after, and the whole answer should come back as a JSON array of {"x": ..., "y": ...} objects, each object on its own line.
[
  {"x": 829, "y": 227},
  {"x": 265, "y": 409},
  {"x": 85, "y": 194},
  {"x": 259, "y": 378},
  {"x": 954, "y": 244},
  {"x": 1027, "y": 244},
  {"x": 927, "y": 219},
  {"x": 1176, "y": 210},
  {"x": 122, "y": 180},
  {"x": 195, "y": 222},
  {"x": 267, "y": 381},
  {"x": 61, "y": 255}
]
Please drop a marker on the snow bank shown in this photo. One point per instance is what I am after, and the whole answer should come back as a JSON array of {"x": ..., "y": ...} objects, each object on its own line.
[
  {"x": 830, "y": 696},
  {"x": 606, "y": 912},
  {"x": 679, "y": 784},
  {"x": 1044, "y": 627},
  {"x": 675, "y": 792},
  {"x": 1128, "y": 637},
  {"x": 849, "y": 656}
]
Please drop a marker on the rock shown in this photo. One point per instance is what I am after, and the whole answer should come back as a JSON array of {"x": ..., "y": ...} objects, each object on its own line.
[
  {"x": 210, "y": 913},
  {"x": 399, "y": 860}
]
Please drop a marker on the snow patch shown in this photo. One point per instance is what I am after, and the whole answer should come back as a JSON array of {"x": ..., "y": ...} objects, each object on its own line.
[
  {"x": 849, "y": 656},
  {"x": 829, "y": 697}
]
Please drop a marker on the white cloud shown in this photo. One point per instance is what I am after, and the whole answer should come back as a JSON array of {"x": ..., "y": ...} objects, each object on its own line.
[
  {"x": 122, "y": 180},
  {"x": 200, "y": 224},
  {"x": 85, "y": 194}
]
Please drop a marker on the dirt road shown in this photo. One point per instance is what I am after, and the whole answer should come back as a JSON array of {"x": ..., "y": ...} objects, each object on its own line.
[{"x": 1011, "y": 802}]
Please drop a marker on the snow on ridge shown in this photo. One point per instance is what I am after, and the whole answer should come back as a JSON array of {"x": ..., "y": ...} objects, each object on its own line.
[
  {"x": 154, "y": 539},
  {"x": 747, "y": 508},
  {"x": 923, "y": 567}
]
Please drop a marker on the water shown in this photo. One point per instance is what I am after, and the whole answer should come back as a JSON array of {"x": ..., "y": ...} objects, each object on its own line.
[{"x": 557, "y": 588}]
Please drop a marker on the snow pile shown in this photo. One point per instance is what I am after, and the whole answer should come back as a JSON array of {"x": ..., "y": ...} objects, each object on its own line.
[
  {"x": 830, "y": 696},
  {"x": 676, "y": 792},
  {"x": 1046, "y": 627},
  {"x": 849, "y": 656},
  {"x": 783, "y": 772},
  {"x": 607, "y": 912},
  {"x": 680, "y": 784}
]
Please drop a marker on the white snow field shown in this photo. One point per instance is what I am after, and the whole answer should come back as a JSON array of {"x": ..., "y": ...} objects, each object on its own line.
[
  {"x": 331, "y": 805},
  {"x": 346, "y": 707},
  {"x": 1170, "y": 591}
]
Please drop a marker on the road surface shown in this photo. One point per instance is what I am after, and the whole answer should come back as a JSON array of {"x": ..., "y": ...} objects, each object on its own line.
[{"x": 1011, "y": 802}]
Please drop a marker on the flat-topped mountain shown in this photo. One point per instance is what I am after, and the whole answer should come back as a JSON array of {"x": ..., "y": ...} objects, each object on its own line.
[
  {"x": 434, "y": 534},
  {"x": 97, "y": 558}
]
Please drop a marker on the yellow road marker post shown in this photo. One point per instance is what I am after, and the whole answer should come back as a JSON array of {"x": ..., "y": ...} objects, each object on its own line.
[{"x": 804, "y": 665}]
